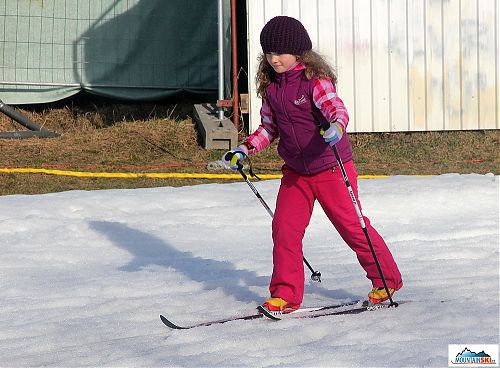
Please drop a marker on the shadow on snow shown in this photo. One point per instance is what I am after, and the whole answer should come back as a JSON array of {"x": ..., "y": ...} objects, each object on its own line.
[{"x": 149, "y": 250}]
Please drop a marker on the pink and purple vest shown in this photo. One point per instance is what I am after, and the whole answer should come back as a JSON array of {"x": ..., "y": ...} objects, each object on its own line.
[{"x": 301, "y": 146}]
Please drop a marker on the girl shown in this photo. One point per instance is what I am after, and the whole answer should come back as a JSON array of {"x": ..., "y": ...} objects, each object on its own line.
[{"x": 297, "y": 88}]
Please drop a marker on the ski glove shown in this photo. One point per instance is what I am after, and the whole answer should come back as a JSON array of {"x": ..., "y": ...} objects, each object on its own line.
[
  {"x": 231, "y": 158},
  {"x": 334, "y": 134}
]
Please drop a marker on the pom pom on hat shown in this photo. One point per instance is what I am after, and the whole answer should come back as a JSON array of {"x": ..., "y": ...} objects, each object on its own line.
[{"x": 285, "y": 35}]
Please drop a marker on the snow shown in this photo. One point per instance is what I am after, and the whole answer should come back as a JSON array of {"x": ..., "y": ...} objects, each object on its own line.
[{"x": 85, "y": 275}]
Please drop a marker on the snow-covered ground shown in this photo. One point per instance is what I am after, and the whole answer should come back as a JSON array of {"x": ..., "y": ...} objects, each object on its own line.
[{"x": 84, "y": 276}]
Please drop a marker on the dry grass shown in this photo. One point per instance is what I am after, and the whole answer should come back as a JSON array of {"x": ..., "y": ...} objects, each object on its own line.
[{"x": 162, "y": 138}]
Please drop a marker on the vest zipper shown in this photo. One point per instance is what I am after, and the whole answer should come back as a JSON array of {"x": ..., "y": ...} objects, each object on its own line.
[{"x": 283, "y": 87}]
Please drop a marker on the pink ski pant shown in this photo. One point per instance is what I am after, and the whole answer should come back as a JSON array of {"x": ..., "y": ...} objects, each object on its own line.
[{"x": 294, "y": 208}]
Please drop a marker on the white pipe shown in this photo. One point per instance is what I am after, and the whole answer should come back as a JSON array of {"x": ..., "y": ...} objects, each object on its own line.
[{"x": 221, "y": 56}]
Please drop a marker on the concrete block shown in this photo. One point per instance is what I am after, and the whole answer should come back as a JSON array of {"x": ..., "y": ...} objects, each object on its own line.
[{"x": 215, "y": 133}]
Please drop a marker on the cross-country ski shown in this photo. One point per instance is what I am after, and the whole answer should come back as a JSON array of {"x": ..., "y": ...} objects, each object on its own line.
[{"x": 344, "y": 308}]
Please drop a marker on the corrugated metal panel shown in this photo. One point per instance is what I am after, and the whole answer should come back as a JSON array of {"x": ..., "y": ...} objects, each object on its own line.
[{"x": 403, "y": 65}]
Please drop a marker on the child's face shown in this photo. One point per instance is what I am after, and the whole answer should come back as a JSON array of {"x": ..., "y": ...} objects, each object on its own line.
[{"x": 281, "y": 62}]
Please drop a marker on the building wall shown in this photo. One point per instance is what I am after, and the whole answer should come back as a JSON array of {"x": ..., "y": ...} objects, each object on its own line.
[{"x": 403, "y": 65}]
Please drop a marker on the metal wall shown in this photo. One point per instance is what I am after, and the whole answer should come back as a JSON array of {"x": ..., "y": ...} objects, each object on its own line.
[{"x": 403, "y": 65}]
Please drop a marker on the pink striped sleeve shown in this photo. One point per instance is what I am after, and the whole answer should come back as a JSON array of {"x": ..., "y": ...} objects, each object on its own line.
[
  {"x": 329, "y": 103},
  {"x": 267, "y": 131}
]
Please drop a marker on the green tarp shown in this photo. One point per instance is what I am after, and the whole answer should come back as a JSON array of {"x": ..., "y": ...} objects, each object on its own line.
[{"x": 127, "y": 49}]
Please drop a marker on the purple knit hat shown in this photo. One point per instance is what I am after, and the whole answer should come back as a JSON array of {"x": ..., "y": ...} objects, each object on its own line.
[{"x": 285, "y": 35}]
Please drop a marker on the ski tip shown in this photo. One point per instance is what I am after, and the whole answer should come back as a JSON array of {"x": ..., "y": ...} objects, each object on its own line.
[{"x": 167, "y": 323}]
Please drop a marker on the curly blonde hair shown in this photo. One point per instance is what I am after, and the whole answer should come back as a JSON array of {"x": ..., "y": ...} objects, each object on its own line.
[{"x": 316, "y": 67}]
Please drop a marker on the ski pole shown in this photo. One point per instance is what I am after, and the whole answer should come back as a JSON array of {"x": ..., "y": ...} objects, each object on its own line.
[
  {"x": 315, "y": 275},
  {"x": 362, "y": 223},
  {"x": 358, "y": 211}
]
